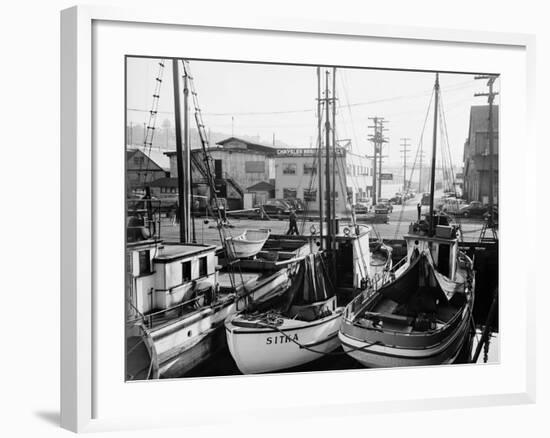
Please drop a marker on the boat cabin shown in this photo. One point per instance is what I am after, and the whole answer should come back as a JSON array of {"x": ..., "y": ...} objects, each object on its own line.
[
  {"x": 162, "y": 276},
  {"x": 443, "y": 245},
  {"x": 352, "y": 249}
]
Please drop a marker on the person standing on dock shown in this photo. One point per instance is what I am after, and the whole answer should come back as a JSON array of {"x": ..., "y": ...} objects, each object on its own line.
[
  {"x": 293, "y": 226},
  {"x": 419, "y": 210}
]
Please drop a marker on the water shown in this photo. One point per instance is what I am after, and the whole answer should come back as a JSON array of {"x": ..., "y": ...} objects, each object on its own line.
[{"x": 222, "y": 364}]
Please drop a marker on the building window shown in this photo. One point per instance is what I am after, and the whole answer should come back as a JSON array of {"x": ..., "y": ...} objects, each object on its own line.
[
  {"x": 144, "y": 262},
  {"x": 203, "y": 266},
  {"x": 254, "y": 166},
  {"x": 186, "y": 271},
  {"x": 290, "y": 193},
  {"x": 310, "y": 195},
  {"x": 289, "y": 168},
  {"x": 309, "y": 169}
]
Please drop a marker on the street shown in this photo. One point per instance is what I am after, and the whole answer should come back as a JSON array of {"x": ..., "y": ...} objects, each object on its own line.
[{"x": 399, "y": 221}]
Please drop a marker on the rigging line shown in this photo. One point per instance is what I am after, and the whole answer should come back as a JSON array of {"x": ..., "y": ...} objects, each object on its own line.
[
  {"x": 220, "y": 225},
  {"x": 150, "y": 127},
  {"x": 444, "y": 119},
  {"x": 344, "y": 80},
  {"x": 397, "y": 228},
  {"x": 369, "y": 102}
]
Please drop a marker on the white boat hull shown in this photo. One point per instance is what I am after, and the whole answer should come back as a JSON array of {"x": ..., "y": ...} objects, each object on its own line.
[{"x": 262, "y": 350}]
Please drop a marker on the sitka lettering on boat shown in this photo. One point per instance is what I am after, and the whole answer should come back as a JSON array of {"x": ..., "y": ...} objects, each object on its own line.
[{"x": 281, "y": 339}]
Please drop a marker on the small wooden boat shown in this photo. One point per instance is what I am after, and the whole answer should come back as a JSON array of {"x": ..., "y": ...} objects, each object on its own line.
[
  {"x": 424, "y": 315},
  {"x": 420, "y": 318},
  {"x": 300, "y": 330},
  {"x": 247, "y": 244}
]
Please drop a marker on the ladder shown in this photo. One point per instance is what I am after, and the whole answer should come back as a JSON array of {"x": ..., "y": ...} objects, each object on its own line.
[
  {"x": 150, "y": 127},
  {"x": 207, "y": 168}
]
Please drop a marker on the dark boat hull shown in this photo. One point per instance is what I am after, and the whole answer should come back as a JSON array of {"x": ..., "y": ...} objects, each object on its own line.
[{"x": 378, "y": 355}]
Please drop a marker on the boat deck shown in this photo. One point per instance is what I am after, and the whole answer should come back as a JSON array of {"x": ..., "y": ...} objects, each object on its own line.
[{"x": 244, "y": 279}]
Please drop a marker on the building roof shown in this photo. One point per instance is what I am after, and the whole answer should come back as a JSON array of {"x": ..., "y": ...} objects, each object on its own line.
[
  {"x": 156, "y": 156},
  {"x": 262, "y": 186},
  {"x": 165, "y": 182},
  {"x": 250, "y": 145}
]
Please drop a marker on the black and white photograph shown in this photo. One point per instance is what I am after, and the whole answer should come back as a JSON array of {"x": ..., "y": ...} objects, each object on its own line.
[{"x": 297, "y": 218}]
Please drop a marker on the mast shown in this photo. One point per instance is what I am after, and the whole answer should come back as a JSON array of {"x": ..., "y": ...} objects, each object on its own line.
[
  {"x": 432, "y": 184},
  {"x": 375, "y": 166},
  {"x": 179, "y": 154},
  {"x": 334, "y": 162},
  {"x": 320, "y": 153},
  {"x": 327, "y": 164}
]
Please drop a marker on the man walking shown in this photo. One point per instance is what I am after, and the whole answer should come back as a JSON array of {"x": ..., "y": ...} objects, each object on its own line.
[{"x": 293, "y": 226}]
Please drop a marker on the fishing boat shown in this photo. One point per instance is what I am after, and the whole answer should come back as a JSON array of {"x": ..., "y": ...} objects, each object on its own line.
[
  {"x": 247, "y": 244},
  {"x": 423, "y": 316},
  {"x": 303, "y": 326},
  {"x": 179, "y": 294}
]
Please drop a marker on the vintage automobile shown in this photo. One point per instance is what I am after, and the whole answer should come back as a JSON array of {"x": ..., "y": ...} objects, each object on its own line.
[
  {"x": 276, "y": 206},
  {"x": 473, "y": 209},
  {"x": 385, "y": 202}
]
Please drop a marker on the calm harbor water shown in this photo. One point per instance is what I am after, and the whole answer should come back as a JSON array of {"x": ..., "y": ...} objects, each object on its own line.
[{"x": 222, "y": 364}]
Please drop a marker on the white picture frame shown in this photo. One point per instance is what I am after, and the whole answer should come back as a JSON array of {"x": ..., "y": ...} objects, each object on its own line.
[{"x": 83, "y": 362}]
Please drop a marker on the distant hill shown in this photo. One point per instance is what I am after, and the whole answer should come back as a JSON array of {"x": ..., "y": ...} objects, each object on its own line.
[{"x": 165, "y": 138}]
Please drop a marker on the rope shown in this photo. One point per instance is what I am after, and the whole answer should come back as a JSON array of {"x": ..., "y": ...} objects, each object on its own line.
[
  {"x": 329, "y": 353},
  {"x": 418, "y": 149}
]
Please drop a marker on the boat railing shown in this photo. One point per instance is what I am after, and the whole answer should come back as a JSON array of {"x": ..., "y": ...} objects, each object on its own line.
[
  {"x": 156, "y": 318},
  {"x": 398, "y": 265}
]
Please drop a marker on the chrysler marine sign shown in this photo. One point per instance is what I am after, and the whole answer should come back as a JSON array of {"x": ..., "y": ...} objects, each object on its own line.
[{"x": 307, "y": 152}]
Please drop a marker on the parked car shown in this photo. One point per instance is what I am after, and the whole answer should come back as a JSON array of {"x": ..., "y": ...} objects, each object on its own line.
[
  {"x": 451, "y": 205},
  {"x": 386, "y": 202},
  {"x": 297, "y": 204},
  {"x": 396, "y": 200},
  {"x": 382, "y": 209},
  {"x": 473, "y": 209},
  {"x": 425, "y": 200},
  {"x": 361, "y": 207},
  {"x": 276, "y": 206}
]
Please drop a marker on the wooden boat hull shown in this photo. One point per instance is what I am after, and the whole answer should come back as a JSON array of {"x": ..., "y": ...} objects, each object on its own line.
[
  {"x": 184, "y": 343},
  {"x": 247, "y": 244},
  {"x": 263, "y": 350},
  {"x": 372, "y": 353}
]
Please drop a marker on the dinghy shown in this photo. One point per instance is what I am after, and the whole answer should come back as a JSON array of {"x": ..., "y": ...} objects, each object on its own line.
[
  {"x": 301, "y": 329},
  {"x": 247, "y": 244}
]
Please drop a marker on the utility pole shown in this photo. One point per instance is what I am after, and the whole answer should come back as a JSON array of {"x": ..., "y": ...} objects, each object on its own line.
[
  {"x": 405, "y": 150},
  {"x": 490, "y": 98},
  {"x": 378, "y": 139}
]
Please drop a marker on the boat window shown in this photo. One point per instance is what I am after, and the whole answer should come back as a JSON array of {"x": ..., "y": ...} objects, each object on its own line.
[
  {"x": 443, "y": 259},
  {"x": 144, "y": 262},
  {"x": 203, "y": 266},
  {"x": 186, "y": 271}
]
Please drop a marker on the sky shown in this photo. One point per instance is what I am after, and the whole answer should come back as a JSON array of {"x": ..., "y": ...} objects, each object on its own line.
[{"x": 280, "y": 100}]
